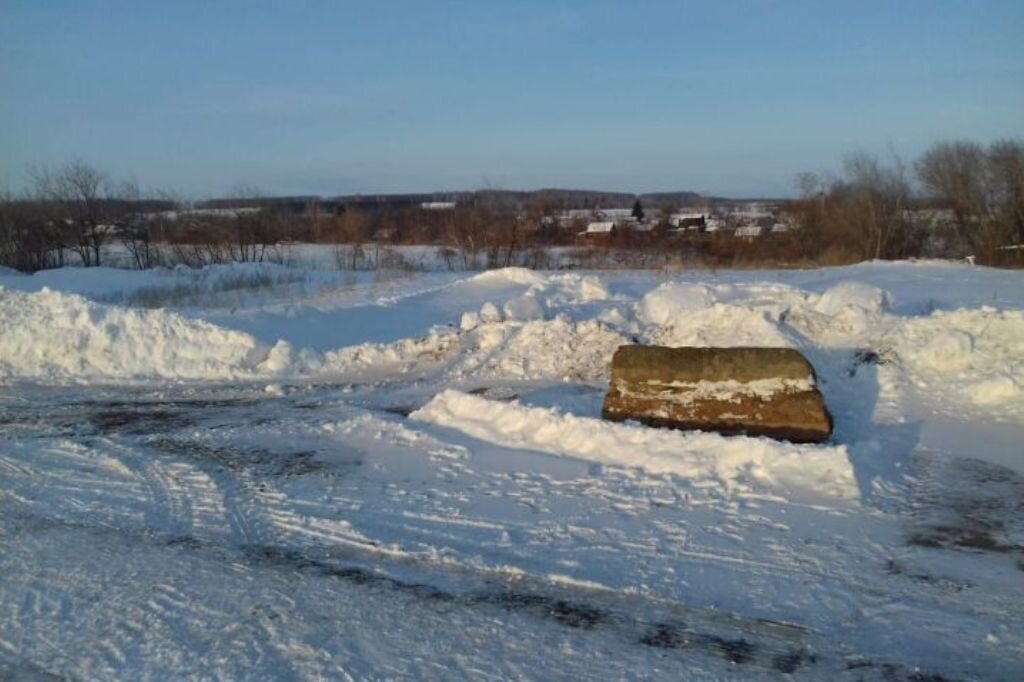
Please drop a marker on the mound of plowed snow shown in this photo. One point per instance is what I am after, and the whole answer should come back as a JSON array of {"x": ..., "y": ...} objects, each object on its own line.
[
  {"x": 678, "y": 314},
  {"x": 735, "y": 463},
  {"x": 54, "y": 336},
  {"x": 974, "y": 355},
  {"x": 550, "y": 349},
  {"x": 564, "y": 326}
]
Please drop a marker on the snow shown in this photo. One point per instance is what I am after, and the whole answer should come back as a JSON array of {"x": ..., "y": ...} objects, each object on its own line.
[
  {"x": 267, "y": 471},
  {"x": 845, "y": 295},
  {"x": 664, "y": 304},
  {"x": 686, "y": 392},
  {"x": 735, "y": 464},
  {"x": 975, "y": 355},
  {"x": 52, "y": 336}
]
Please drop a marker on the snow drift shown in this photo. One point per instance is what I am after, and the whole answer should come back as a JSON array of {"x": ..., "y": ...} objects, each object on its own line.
[
  {"x": 539, "y": 349},
  {"x": 974, "y": 355},
  {"x": 562, "y": 326},
  {"x": 965, "y": 357},
  {"x": 737, "y": 463},
  {"x": 51, "y": 335}
]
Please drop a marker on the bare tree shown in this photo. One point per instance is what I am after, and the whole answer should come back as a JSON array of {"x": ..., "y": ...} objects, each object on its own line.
[
  {"x": 878, "y": 196},
  {"x": 136, "y": 231},
  {"x": 1006, "y": 176},
  {"x": 28, "y": 238},
  {"x": 955, "y": 172},
  {"x": 76, "y": 193}
]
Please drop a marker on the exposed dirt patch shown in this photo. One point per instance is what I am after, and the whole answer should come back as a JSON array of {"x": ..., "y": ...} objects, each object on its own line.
[
  {"x": 867, "y": 358},
  {"x": 138, "y": 421},
  {"x": 895, "y": 673},
  {"x": 792, "y": 661},
  {"x": 499, "y": 393},
  {"x": 967, "y": 504},
  {"x": 400, "y": 410},
  {"x": 893, "y": 567},
  {"x": 260, "y": 462}
]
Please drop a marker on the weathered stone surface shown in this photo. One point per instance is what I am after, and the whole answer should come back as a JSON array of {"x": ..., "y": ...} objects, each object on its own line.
[{"x": 756, "y": 391}]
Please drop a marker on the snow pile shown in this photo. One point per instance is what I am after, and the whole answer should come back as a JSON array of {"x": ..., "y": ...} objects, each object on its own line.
[
  {"x": 563, "y": 326},
  {"x": 972, "y": 357},
  {"x": 724, "y": 315},
  {"x": 846, "y": 296},
  {"x": 515, "y": 275},
  {"x": 404, "y": 356},
  {"x": 672, "y": 301},
  {"x": 760, "y": 314},
  {"x": 848, "y": 314},
  {"x": 976, "y": 355},
  {"x": 526, "y": 338},
  {"x": 546, "y": 295},
  {"x": 736, "y": 463},
  {"x": 54, "y": 336},
  {"x": 50, "y": 335},
  {"x": 558, "y": 348},
  {"x": 486, "y": 346}
]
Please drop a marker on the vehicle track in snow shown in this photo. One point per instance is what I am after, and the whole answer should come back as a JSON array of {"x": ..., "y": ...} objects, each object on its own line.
[
  {"x": 197, "y": 478},
  {"x": 700, "y": 635},
  {"x": 967, "y": 504}
]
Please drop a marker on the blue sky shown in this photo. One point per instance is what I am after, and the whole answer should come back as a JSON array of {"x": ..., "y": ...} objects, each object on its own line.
[{"x": 725, "y": 97}]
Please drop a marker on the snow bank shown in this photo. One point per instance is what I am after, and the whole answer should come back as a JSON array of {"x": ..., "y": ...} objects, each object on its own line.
[
  {"x": 516, "y": 275},
  {"x": 759, "y": 314},
  {"x": 672, "y": 301},
  {"x": 967, "y": 357},
  {"x": 546, "y": 295},
  {"x": 485, "y": 346},
  {"x": 558, "y": 348},
  {"x": 53, "y": 336},
  {"x": 564, "y": 326},
  {"x": 837, "y": 299},
  {"x": 402, "y": 356},
  {"x": 529, "y": 337},
  {"x": 736, "y": 463},
  {"x": 974, "y": 355},
  {"x": 678, "y": 314}
]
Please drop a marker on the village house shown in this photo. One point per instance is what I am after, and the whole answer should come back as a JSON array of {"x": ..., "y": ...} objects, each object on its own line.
[{"x": 599, "y": 230}]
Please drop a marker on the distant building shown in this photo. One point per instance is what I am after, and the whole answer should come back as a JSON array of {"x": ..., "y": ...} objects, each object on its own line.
[
  {"x": 748, "y": 231},
  {"x": 599, "y": 231},
  {"x": 688, "y": 221},
  {"x": 173, "y": 215},
  {"x": 619, "y": 216}
]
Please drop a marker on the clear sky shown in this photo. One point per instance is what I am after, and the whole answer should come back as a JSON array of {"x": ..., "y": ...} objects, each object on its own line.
[{"x": 728, "y": 97}]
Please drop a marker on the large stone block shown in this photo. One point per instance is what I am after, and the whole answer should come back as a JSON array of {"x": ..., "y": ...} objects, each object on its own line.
[{"x": 755, "y": 391}]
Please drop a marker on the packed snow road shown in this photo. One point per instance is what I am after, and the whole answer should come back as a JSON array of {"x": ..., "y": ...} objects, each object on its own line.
[{"x": 442, "y": 501}]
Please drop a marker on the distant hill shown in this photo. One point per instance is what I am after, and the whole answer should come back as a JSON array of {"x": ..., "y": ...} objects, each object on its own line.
[
  {"x": 655, "y": 199},
  {"x": 553, "y": 197}
]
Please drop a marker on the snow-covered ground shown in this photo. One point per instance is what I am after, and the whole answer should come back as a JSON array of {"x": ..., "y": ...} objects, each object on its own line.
[{"x": 263, "y": 471}]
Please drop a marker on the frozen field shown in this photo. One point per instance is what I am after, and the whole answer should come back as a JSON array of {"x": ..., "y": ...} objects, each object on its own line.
[{"x": 264, "y": 472}]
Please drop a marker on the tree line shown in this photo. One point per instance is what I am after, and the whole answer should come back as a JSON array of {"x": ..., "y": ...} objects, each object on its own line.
[{"x": 958, "y": 198}]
